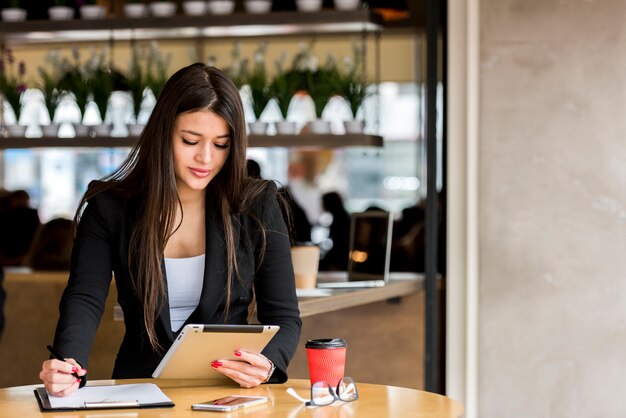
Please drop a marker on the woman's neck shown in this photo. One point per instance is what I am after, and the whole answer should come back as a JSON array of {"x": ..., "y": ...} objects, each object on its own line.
[
  {"x": 188, "y": 239},
  {"x": 192, "y": 199}
]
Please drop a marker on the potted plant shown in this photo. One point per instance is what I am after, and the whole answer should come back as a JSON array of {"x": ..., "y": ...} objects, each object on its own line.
[
  {"x": 162, "y": 8},
  {"x": 321, "y": 86},
  {"x": 89, "y": 9},
  {"x": 14, "y": 12},
  {"x": 221, "y": 7},
  {"x": 101, "y": 87},
  {"x": 257, "y": 82},
  {"x": 309, "y": 5},
  {"x": 135, "y": 8},
  {"x": 156, "y": 69},
  {"x": 103, "y": 80},
  {"x": 12, "y": 87},
  {"x": 60, "y": 11},
  {"x": 347, "y": 4},
  {"x": 352, "y": 85},
  {"x": 195, "y": 7},
  {"x": 237, "y": 69},
  {"x": 257, "y": 6},
  {"x": 283, "y": 87},
  {"x": 136, "y": 78},
  {"x": 50, "y": 77},
  {"x": 74, "y": 82}
]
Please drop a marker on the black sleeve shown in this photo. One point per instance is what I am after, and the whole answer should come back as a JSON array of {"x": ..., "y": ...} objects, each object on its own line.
[
  {"x": 83, "y": 300},
  {"x": 275, "y": 290}
]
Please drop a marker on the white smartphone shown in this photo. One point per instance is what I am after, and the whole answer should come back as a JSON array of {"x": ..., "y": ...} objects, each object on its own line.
[{"x": 229, "y": 403}]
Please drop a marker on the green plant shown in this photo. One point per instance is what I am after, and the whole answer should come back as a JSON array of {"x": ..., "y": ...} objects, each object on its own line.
[
  {"x": 257, "y": 81},
  {"x": 101, "y": 87},
  {"x": 50, "y": 77},
  {"x": 156, "y": 69},
  {"x": 284, "y": 85},
  {"x": 103, "y": 79},
  {"x": 303, "y": 64},
  {"x": 352, "y": 83},
  {"x": 12, "y": 84},
  {"x": 237, "y": 69},
  {"x": 321, "y": 85},
  {"x": 137, "y": 79},
  {"x": 15, "y": 3},
  {"x": 74, "y": 81}
]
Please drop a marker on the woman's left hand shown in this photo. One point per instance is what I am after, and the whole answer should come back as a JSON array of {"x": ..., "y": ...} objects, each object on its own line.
[{"x": 251, "y": 371}]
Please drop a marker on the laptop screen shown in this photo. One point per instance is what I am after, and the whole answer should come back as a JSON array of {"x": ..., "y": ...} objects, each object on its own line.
[{"x": 370, "y": 245}]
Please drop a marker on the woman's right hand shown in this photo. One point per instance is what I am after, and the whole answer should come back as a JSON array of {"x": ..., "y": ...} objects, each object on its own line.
[{"x": 56, "y": 376}]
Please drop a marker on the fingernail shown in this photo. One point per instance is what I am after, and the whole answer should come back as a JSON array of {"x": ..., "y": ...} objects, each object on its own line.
[
  {"x": 78, "y": 380},
  {"x": 216, "y": 364},
  {"x": 74, "y": 369},
  {"x": 238, "y": 353}
]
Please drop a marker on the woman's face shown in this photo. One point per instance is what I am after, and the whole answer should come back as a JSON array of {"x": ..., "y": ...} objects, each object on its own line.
[{"x": 200, "y": 147}]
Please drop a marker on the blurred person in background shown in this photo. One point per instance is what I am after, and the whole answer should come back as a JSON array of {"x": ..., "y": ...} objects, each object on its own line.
[
  {"x": 339, "y": 233},
  {"x": 52, "y": 246},
  {"x": 18, "y": 225}
]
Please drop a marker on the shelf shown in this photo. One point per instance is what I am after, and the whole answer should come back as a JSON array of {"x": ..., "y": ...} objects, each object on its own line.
[
  {"x": 207, "y": 26},
  {"x": 78, "y": 142},
  {"x": 308, "y": 141},
  {"x": 316, "y": 141}
]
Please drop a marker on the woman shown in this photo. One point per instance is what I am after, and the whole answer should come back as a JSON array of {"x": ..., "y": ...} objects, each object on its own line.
[{"x": 188, "y": 237}]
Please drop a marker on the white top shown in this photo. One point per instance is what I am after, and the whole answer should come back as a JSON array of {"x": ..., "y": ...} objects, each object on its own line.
[{"x": 184, "y": 285}]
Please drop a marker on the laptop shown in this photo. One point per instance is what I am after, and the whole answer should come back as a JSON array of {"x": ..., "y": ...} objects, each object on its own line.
[{"x": 369, "y": 255}]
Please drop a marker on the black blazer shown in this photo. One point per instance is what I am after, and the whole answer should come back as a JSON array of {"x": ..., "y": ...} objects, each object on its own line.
[{"x": 101, "y": 247}]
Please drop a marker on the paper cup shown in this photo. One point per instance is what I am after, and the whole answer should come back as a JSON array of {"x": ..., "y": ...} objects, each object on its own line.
[
  {"x": 327, "y": 360},
  {"x": 305, "y": 261}
]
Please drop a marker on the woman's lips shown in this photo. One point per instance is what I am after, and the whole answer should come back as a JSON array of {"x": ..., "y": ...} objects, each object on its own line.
[{"x": 199, "y": 172}]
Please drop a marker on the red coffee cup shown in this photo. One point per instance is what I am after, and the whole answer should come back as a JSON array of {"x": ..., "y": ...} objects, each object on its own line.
[{"x": 327, "y": 360}]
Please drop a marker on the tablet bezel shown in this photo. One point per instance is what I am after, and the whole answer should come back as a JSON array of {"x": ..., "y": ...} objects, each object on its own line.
[{"x": 197, "y": 345}]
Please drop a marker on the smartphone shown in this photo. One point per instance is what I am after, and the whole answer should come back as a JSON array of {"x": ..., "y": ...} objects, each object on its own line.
[{"x": 229, "y": 403}]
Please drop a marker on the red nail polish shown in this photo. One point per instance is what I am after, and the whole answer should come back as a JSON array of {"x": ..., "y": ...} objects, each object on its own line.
[
  {"x": 74, "y": 369},
  {"x": 238, "y": 353},
  {"x": 77, "y": 380},
  {"x": 216, "y": 364}
]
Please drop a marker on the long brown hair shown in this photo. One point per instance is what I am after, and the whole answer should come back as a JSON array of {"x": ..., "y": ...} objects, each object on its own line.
[{"x": 148, "y": 173}]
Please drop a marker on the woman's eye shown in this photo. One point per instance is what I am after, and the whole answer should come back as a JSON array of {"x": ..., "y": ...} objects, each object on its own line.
[
  {"x": 188, "y": 142},
  {"x": 222, "y": 146}
]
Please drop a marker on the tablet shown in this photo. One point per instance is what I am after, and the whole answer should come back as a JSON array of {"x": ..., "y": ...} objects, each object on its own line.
[{"x": 198, "y": 345}]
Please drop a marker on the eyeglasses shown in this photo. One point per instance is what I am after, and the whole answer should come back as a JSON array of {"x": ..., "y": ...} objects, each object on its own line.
[{"x": 322, "y": 393}]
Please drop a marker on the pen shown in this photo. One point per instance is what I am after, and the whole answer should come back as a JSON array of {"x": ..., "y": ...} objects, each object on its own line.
[{"x": 57, "y": 356}]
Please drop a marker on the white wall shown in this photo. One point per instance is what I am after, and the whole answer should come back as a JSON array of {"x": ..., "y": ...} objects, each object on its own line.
[{"x": 551, "y": 208}]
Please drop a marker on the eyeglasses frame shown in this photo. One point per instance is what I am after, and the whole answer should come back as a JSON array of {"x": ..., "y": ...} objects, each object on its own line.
[{"x": 334, "y": 392}]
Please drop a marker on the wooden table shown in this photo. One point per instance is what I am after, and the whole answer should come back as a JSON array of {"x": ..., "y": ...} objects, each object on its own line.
[{"x": 375, "y": 401}]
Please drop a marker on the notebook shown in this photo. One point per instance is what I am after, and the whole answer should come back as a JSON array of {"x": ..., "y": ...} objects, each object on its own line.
[
  {"x": 137, "y": 395},
  {"x": 369, "y": 255}
]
